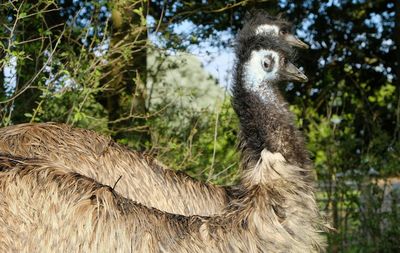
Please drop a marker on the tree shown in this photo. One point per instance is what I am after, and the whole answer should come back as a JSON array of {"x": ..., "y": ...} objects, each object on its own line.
[
  {"x": 48, "y": 38},
  {"x": 84, "y": 63}
]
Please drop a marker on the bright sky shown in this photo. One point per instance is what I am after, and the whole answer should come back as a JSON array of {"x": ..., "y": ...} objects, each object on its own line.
[
  {"x": 9, "y": 71},
  {"x": 218, "y": 63}
]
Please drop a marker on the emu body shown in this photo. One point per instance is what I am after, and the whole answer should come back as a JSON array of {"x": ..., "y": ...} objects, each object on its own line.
[{"x": 47, "y": 207}]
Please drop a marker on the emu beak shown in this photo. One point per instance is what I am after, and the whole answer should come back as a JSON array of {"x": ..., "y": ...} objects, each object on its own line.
[
  {"x": 294, "y": 41},
  {"x": 292, "y": 73}
]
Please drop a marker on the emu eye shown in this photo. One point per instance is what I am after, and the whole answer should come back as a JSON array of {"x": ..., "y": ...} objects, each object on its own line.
[
  {"x": 285, "y": 61},
  {"x": 267, "y": 63},
  {"x": 283, "y": 31}
]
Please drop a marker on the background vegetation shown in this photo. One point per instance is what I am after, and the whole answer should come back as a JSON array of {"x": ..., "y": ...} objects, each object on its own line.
[{"x": 84, "y": 63}]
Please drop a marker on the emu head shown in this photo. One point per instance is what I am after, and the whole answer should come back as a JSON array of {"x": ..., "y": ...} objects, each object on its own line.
[
  {"x": 264, "y": 24},
  {"x": 263, "y": 62}
]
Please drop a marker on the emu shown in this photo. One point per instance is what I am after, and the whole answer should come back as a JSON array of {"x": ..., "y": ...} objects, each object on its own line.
[
  {"x": 274, "y": 208},
  {"x": 142, "y": 178}
]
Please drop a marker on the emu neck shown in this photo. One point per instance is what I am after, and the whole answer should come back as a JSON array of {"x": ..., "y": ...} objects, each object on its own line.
[{"x": 267, "y": 123}]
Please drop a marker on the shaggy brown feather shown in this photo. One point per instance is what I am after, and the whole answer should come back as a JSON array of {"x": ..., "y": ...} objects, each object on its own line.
[
  {"x": 143, "y": 178},
  {"x": 46, "y": 207}
]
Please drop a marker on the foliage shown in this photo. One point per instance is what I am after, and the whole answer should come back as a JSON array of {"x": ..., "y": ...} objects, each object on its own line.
[{"x": 192, "y": 128}]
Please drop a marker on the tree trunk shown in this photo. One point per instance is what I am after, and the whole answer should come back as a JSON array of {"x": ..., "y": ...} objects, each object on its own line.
[{"x": 124, "y": 77}]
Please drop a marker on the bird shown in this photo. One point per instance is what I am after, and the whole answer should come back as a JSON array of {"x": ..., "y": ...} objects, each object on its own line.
[
  {"x": 132, "y": 174},
  {"x": 274, "y": 209}
]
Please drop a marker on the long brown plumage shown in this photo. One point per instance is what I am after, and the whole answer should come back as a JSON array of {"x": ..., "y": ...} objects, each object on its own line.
[
  {"x": 47, "y": 207},
  {"x": 135, "y": 176}
]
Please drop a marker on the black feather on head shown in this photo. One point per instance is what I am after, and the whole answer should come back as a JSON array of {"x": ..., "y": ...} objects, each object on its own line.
[{"x": 247, "y": 41}]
